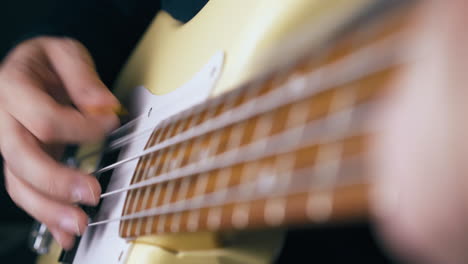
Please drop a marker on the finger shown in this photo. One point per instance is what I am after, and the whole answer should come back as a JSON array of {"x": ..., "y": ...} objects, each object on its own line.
[
  {"x": 48, "y": 120},
  {"x": 52, "y": 213},
  {"x": 41, "y": 171},
  {"x": 65, "y": 239},
  {"x": 74, "y": 65}
]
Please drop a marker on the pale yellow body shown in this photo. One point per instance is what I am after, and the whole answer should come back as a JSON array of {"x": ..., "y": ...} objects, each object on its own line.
[{"x": 254, "y": 36}]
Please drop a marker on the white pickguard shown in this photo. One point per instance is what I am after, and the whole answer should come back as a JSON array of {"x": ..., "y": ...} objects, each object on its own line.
[{"x": 102, "y": 244}]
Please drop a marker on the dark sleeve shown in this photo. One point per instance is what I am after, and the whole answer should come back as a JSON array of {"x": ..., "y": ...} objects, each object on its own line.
[{"x": 108, "y": 28}]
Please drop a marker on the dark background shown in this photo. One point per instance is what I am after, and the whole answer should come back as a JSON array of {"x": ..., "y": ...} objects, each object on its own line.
[{"x": 18, "y": 17}]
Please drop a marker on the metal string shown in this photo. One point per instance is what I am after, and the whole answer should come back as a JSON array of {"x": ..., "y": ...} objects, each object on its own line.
[
  {"x": 286, "y": 94},
  {"x": 351, "y": 167},
  {"x": 280, "y": 143}
]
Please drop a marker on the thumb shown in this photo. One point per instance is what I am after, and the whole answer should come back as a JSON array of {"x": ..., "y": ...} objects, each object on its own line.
[{"x": 74, "y": 65}]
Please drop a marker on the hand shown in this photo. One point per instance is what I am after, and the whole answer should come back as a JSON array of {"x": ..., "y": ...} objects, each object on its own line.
[
  {"x": 50, "y": 94},
  {"x": 420, "y": 199}
]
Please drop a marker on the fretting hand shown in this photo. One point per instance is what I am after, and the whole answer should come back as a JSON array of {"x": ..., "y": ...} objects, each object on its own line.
[{"x": 420, "y": 201}]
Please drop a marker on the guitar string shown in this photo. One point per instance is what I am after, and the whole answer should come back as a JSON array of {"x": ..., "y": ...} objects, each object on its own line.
[
  {"x": 277, "y": 144},
  {"x": 352, "y": 59},
  {"x": 115, "y": 133},
  {"x": 146, "y": 213},
  {"x": 282, "y": 96},
  {"x": 351, "y": 167}
]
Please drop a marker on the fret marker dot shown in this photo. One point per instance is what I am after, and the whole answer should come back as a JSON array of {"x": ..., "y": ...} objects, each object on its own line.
[
  {"x": 214, "y": 218},
  {"x": 275, "y": 211},
  {"x": 192, "y": 223},
  {"x": 240, "y": 216},
  {"x": 319, "y": 207}
]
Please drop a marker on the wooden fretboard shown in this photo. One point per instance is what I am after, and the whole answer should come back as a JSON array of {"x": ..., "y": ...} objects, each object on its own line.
[{"x": 286, "y": 148}]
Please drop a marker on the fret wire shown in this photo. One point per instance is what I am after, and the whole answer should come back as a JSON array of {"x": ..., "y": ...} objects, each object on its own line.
[
  {"x": 215, "y": 143},
  {"x": 350, "y": 165},
  {"x": 274, "y": 99},
  {"x": 128, "y": 202},
  {"x": 184, "y": 187},
  {"x": 175, "y": 222},
  {"x": 154, "y": 201},
  {"x": 235, "y": 138},
  {"x": 167, "y": 161},
  {"x": 234, "y": 142},
  {"x": 241, "y": 212},
  {"x": 200, "y": 187},
  {"x": 175, "y": 163},
  {"x": 202, "y": 151},
  {"x": 196, "y": 150},
  {"x": 168, "y": 188},
  {"x": 158, "y": 155},
  {"x": 167, "y": 194},
  {"x": 263, "y": 128},
  {"x": 143, "y": 206},
  {"x": 181, "y": 197},
  {"x": 165, "y": 130},
  {"x": 133, "y": 201},
  {"x": 278, "y": 144},
  {"x": 248, "y": 172},
  {"x": 319, "y": 208},
  {"x": 148, "y": 175},
  {"x": 222, "y": 183},
  {"x": 275, "y": 206},
  {"x": 144, "y": 171}
]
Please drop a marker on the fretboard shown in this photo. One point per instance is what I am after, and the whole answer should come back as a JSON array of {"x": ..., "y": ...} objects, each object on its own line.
[{"x": 286, "y": 148}]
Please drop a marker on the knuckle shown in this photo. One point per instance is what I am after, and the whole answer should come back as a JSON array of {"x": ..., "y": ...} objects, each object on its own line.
[
  {"x": 53, "y": 184},
  {"x": 50, "y": 187}
]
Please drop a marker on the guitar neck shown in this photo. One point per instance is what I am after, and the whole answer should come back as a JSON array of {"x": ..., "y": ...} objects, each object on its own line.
[{"x": 286, "y": 148}]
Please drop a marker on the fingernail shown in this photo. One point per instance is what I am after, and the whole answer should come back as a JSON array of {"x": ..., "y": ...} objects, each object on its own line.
[
  {"x": 83, "y": 193},
  {"x": 76, "y": 196},
  {"x": 70, "y": 225}
]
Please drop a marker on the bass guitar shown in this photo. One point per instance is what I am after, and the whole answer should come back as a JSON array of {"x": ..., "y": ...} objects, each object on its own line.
[{"x": 249, "y": 119}]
